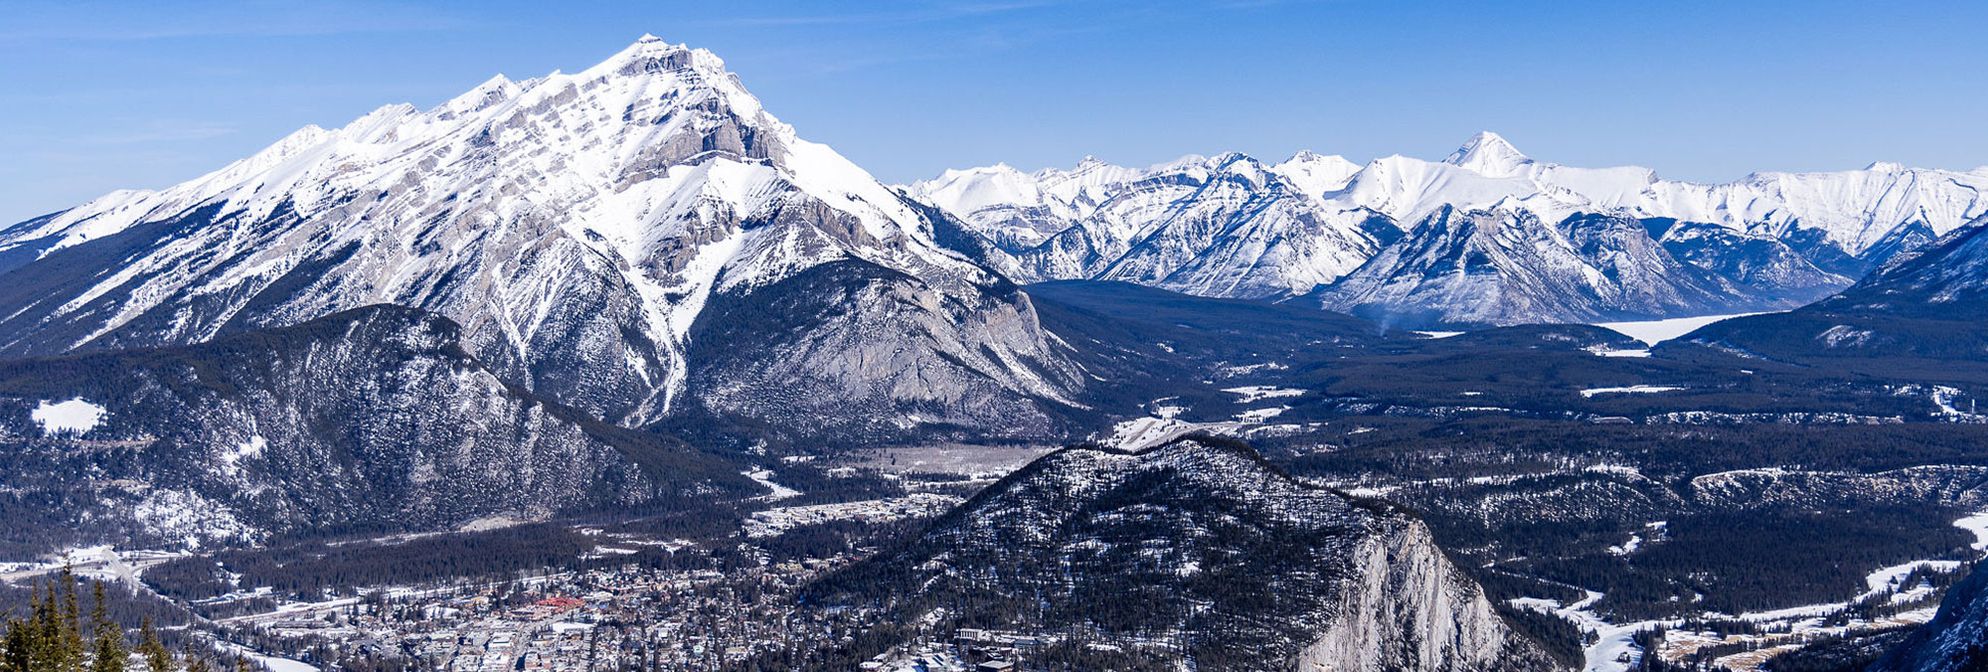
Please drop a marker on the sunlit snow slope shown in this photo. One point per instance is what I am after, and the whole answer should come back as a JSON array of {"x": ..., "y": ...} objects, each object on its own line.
[{"x": 576, "y": 226}]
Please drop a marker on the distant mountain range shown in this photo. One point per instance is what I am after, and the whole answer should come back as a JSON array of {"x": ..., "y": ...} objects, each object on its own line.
[
  {"x": 621, "y": 290},
  {"x": 1487, "y": 236}
]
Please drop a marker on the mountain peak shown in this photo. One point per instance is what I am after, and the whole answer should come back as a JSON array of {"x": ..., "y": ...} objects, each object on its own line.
[
  {"x": 1309, "y": 156},
  {"x": 1306, "y": 157},
  {"x": 650, "y": 54},
  {"x": 1185, "y": 161},
  {"x": 1316, "y": 173},
  {"x": 1885, "y": 167},
  {"x": 1488, "y": 154}
]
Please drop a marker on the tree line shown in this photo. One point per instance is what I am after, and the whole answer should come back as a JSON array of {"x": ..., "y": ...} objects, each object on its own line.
[{"x": 56, "y": 636}]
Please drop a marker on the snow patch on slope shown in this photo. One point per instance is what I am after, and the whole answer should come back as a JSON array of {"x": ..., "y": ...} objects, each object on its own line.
[{"x": 74, "y": 415}]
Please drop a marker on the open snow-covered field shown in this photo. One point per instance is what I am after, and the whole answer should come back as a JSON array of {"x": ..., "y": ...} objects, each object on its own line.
[
  {"x": 1631, "y": 389},
  {"x": 1650, "y": 332},
  {"x": 1658, "y": 331},
  {"x": 74, "y": 415}
]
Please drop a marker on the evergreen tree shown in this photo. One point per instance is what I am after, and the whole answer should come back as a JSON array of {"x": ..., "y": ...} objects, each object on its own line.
[
  {"x": 108, "y": 655},
  {"x": 48, "y": 650},
  {"x": 46, "y": 634},
  {"x": 69, "y": 643},
  {"x": 157, "y": 658},
  {"x": 19, "y": 647},
  {"x": 50, "y": 639},
  {"x": 194, "y": 662}
]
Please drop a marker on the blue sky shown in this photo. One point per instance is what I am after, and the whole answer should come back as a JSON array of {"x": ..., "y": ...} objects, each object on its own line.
[{"x": 99, "y": 96}]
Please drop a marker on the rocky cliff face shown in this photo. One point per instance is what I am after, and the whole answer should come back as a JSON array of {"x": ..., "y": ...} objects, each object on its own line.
[
  {"x": 1204, "y": 544},
  {"x": 1407, "y": 608},
  {"x": 858, "y": 352},
  {"x": 371, "y": 419}
]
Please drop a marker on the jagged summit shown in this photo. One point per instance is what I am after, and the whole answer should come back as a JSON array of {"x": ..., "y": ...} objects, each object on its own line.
[
  {"x": 653, "y": 54},
  {"x": 1775, "y": 239},
  {"x": 1488, "y": 154},
  {"x": 1317, "y": 174},
  {"x": 576, "y": 225}
]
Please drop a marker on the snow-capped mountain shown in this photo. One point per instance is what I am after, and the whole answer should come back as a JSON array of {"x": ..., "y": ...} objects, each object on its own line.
[
  {"x": 1244, "y": 566},
  {"x": 1316, "y": 173},
  {"x": 1756, "y": 270},
  {"x": 1850, "y": 211},
  {"x": 1490, "y": 155},
  {"x": 373, "y": 418},
  {"x": 1019, "y": 210},
  {"x": 1505, "y": 266},
  {"x": 1939, "y": 278},
  {"x": 1226, "y": 226},
  {"x": 1215, "y": 226},
  {"x": 576, "y": 225},
  {"x": 1769, "y": 240},
  {"x": 1929, "y": 302}
]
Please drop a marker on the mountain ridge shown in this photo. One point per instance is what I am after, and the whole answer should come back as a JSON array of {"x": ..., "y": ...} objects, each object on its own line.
[
  {"x": 576, "y": 225},
  {"x": 1286, "y": 575},
  {"x": 1773, "y": 240}
]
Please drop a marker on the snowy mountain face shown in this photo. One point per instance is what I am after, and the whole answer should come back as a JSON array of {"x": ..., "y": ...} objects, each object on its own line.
[
  {"x": 575, "y": 225},
  {"x": 1769, "y": 240},
  {"x": 1852, "y": 211},
  {"x": 1759, "y": 270},
  {"x": 1204, "y": 542},
  {"x": 1488, "y": 154},
  {"x": 373, "y": 418},
  {"x": 1019, "y": 210},
  {"x": 1942, "y": 276},
  {"x": 1505, "y": 266},
  {"x": 1928, "y": 302},
  {"x": 1223, "y": 226}
]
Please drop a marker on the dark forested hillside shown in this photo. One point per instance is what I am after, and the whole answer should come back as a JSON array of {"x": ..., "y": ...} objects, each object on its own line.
[
  {"x": 373, "y": 419},
  {"x": 1198, "y": 547}
]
